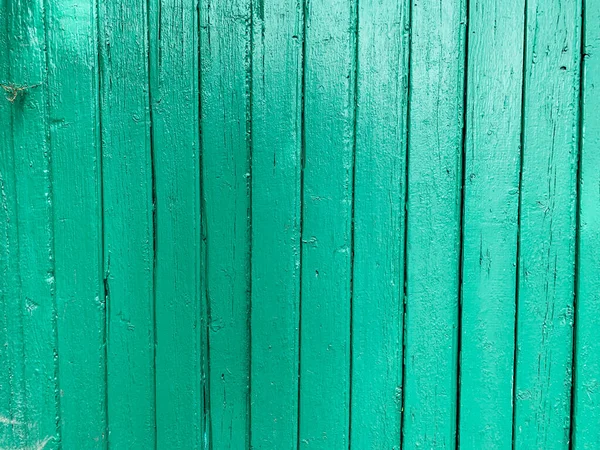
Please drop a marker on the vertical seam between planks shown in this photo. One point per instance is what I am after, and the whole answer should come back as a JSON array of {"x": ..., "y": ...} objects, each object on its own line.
[
  {"x": 204, "y": 304},
  {"x": 462, "y": 177},
  {"x": 304, "y": 4},
  {"x": 518, "y": 242},
  {"x": 54, "y": 320},
  {"x": 104, "y": 272},
  {"x": 249, "y": 152},
  {"x": 149, "y": 62},
  {"x": 407, "y": 97},
  {"x": 355, "y": 17},
  {"x": 580, "y": 111}
]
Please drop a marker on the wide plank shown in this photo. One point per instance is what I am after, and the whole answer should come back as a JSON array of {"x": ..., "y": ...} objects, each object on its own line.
[
  {"x": 379, "y": 227},
  {"x": 547, "y": 225},
  {"x": 434, "y": 207},
  {"x": 74, "y": 116},
  {"x": 179, "y": 323},
  {"x": 128, "y": 223},
  {"x": 276, "y": 108},
  {"x": 490, "y": 222}
]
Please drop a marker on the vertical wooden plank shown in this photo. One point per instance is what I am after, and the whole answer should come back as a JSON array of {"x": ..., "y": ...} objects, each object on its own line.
[
  {"x": 277, "y": 35},
  {"x": 76, "y": 191},
  {"x": 327, "y": 224},
  {"x": 547, "y": 225},
  {"x": 433, "y": 221},
  {"x": 176, "y": 149},
  {"x": 490, "y": 221},
  {"x": 379, "y": 193},
  {"x": 586, "y": 401},
  {"x": 34, "y": 222},
  {"x": 128, "y": 224},
  {"x": 13, "y": 429},
  {"x": 225, "y": 49}
]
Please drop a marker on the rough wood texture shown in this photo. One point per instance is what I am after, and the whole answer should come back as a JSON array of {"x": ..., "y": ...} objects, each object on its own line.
[
  {"x": 179, "y": 301},
  {"x": 586, "y": 402},
  {"x": 36, "y": 415},
  {"x": 128, "y": 224},
  {"x": 74, "y": 118},
  {"x": 327, "y": 224},
  {"x": 284, "y": 224},
  {"x": 490, "y": 222},
  {"x": 225, "y": 50},
  {"x": 434, "y": 220},
  {"x": 13, "y": 430},
  {"x": 277, "y": 36},
  {"x": 379, "y": 193},
  {"x": 547, "y": 225}
]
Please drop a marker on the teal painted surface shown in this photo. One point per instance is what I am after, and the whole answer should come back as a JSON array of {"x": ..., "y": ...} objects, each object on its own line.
[
  {"x": 586, "y": 395},
  {"x": 379, "y": 200},
  {"x": 225, "y": 99},
  {"x": 128, "y": 225},
  {"x": 281, "y": 224},
  {"x": 276, "y": 163},
  {"x": 36, "y": 383},
  {"x": 80, "y": 298},
  {"x": 434, "y": 210},
  {"x": 547, "y": 225},
  {"x": 179, "y": 315},
  {"x": 490, "y": 222},
  {"x": 326, "y": 225}
]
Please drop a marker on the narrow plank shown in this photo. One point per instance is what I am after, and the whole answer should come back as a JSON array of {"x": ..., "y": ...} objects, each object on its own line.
[
  {"x": 176, "y": 148},
  {"x": 34, "y": 217},
  {"x": 13, "y": 429},
  {"x": 327, "y": 224},
  {"x": 586, "y": 401},
  {"x": 225, "y": 49},
  {"x": 277, "y": 35},
  {"x": 379, "y": 193},
  {"x": 128, "y": 223},
  {"x": 490, "y": 222},
  {"x": 434, "y": 221},
  {"x": 547, "y": 225},
  {"x": 76, "y": 192}
]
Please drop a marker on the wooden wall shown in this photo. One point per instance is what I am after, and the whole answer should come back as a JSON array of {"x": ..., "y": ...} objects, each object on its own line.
[{"x": 286, "y": 224}]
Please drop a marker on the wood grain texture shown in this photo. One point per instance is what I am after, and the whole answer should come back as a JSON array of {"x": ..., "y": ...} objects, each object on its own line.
[
  {"x": 128, "y": 224},
  {"x": 434, "y": 221},
  {"x": 226, "y": 64},
  {"x": 277, "y": 35},
  {"x": 586, "y": 402},
  {"x": 490, "y": 222},
  {"x": 379, "y": 193},
  {"x": 275, "y": 224},
  {"x": 13, "y": 430},
  {"x": 329, "y": 73},
  {"x": 75, "y": 143},
  {"x": 34, "y": 223},
  {"x": 179, "y": 301},
  {"x": 547, "y": 225}
]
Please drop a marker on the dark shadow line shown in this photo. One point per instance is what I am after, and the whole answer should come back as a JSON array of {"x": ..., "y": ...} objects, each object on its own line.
[
  {"x": 580, "y": 114},
  {"x": 518, "y": 242},
  {"x": 462, "y": 177}
]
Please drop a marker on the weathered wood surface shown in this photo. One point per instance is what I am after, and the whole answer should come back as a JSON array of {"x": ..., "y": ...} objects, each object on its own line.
[
  {"x": 434, "y": 210},
  {"x": 379, "y": 223},
  {"x": 585, "y": 432},
  {"x": 547, "y": 225},
  {"x": 281, "y": 224}
]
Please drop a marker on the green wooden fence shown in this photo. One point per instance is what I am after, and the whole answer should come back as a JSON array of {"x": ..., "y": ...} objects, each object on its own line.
[{"x": 280, "y": 224}]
